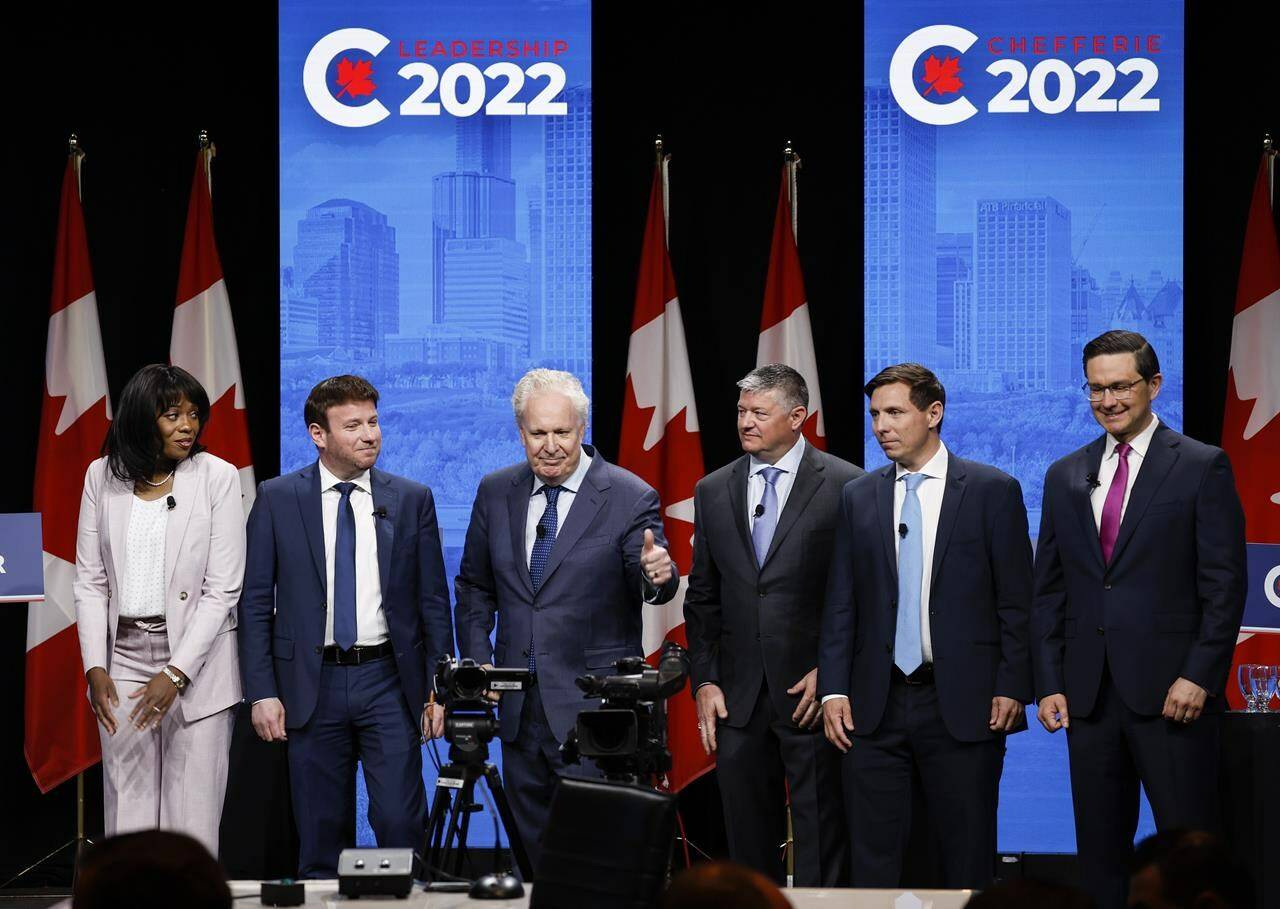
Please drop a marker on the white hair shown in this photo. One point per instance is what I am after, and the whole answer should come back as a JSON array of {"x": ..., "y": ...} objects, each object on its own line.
[{"x": 537, "y": 381}]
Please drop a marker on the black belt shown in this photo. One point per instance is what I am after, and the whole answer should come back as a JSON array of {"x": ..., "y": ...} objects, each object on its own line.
[
  {"x": 922, "y": 676},
  {"x": 354, "y": 656}
]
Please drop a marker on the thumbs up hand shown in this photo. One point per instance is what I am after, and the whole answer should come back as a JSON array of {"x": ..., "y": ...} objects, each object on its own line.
[{"x": 655, "y": 562}]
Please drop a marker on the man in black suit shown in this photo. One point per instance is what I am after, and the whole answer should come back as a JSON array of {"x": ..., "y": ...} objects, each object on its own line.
[
  {"x": 1139, "y": 591},
  {"x": 762, "y": 541},
  {"x": 930, "y": 580}
]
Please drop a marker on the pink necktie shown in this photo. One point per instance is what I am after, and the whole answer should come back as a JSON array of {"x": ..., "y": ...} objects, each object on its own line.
[{"x": 1113, "y": 507}]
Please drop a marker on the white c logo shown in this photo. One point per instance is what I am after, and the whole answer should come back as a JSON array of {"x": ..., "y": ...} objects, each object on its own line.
[
  {"x": 1269, "y": 586},
  {"x": 317, "y": 65},
  {"x": 903, "y": 64}
]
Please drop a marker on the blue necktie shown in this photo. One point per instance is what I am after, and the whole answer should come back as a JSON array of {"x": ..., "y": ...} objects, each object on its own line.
[
  {"x": 767, "y": 522},
  {"x": 344, "y": 571},
  {"x": 542, "y": 545},
  {"x": 908, "y": 653}
]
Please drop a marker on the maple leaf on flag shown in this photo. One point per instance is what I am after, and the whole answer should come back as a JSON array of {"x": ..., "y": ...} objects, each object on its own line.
[
  {"x": 941, "y": 76},
  {"x": 355, "y": 77}
]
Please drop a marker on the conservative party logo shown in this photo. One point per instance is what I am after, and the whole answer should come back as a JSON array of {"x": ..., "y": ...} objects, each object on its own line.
[
  {"x": 1075, "y": 73},
  {"x": 347, "y": 95}
]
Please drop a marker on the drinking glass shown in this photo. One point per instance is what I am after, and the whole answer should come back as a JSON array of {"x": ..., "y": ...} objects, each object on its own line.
[
  {"x": 1263, "y": 680},
  {"x": 1243, "y": 679}
]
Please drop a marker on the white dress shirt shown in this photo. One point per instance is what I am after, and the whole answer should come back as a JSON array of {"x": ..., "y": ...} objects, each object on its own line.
[
  {"x": 538, "y": 503},
  {"x": 930, "y": 493},
  {"x": 1107, "y": 471},
  {"x": 371, "y": 624},
  {"x": 144, "y": 581},
  {"x": 789, "y": 463}
]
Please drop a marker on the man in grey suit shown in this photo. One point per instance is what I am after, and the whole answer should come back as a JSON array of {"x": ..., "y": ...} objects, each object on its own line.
[
  {"x": 560, "y": 552},
  {"x": 764, "y": 527}
]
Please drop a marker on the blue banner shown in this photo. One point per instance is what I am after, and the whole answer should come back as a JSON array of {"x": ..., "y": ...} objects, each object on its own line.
[
  {"x": 21, "y": 559},
  {"x": 1262, "y": 606},
  {"x": 1022, "y": 194},
  {"x": 435, "y": 225}
]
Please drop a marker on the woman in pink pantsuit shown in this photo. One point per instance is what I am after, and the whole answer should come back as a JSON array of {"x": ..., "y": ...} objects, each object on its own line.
[{"x": 160, "y": 554}]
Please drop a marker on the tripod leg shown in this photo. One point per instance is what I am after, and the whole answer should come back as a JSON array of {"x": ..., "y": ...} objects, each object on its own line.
[
  {"x": 462, "y": 815},
  {"x": 435, "y": 832},
  {"x": 508, "y": 821}
]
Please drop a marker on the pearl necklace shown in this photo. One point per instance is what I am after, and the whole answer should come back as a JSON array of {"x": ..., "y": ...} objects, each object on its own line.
[{"x": 162, "y": 482}]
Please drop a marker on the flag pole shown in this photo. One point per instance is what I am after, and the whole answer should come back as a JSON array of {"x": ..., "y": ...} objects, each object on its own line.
[
  {"x": 207, "y": 151},
  {"x": 792, "y": 163},
  {"x": 660, "y": 160},
  {"x": 1269, "y": 150}
]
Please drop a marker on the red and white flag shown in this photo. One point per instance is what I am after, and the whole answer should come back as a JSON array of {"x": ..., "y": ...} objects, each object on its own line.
[
  {"x": 60, "y": 734},
  {"x": 661, "y": 444},
  {"x": 204, "y": 338},
  {"x": 1251, "y": 430},
  {"x": 785, "y": 333}
]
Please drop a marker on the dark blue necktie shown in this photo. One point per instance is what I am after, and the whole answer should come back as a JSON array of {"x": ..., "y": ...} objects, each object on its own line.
[
  {"x": 542, "y": 545},
  {"x": 344, "y": 571}
]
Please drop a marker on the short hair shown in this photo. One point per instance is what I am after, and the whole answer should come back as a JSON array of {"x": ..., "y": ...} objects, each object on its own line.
[
  {"x": 1192, "y": 862},
  {"x": 924, "y": 386},
  {"x": 792, "y": 390},
  {"x": 151, "y": 869},
  {"x": 537, "y": 381},
  {"x": 333, "y": 392},
  {"x": 1119, "y": 342},
  {"x": 132, "y": 447},
  {"x": 715, "y": 884}
]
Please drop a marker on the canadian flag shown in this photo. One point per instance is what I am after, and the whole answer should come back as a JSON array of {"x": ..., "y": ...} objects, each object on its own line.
[
  {"x": 204, "y": 338},
  {"x": 1250, "y": 431},
  {"x": 661, "y": 444},
  {"x": 60, "y": 734},
  {"x": 785, "y": 333}
]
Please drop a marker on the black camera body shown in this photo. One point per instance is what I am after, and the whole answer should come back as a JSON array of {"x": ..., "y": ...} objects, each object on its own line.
[
  {"x": 469, "y": 721},
  {"x": 626, "y": 736}
]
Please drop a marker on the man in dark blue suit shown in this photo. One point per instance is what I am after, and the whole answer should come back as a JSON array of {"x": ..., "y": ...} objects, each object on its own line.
[
  {"x": 344, "y": 612},
  {"x": 1139, "y": 591},
  {"x": 923, "y": 663},
  {"x": 561, "y": 551}
]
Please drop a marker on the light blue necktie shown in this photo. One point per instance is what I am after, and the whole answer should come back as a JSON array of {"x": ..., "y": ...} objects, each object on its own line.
[
  {"x": 907, "y": 650},
  {"x": 767, "y": 522},
  {"x": 344, "y": 570},
  {"x": 541, "y": 553}
]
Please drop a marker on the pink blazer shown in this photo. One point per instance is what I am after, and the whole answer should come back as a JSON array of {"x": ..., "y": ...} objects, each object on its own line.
[{"x": 204, "y": 569}]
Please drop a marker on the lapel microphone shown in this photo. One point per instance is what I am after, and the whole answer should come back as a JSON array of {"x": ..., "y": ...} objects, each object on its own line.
[
  {"x": 380, "y": 511},
  {"x": 171, "y": 502},
  {"x": 1093, "y": 481},
  {"x": 759, "y": 512},
  {"x": 902, "y": 530}
]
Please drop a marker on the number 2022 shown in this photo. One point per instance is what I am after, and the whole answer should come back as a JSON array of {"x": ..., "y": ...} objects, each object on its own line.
[
  {"x": 1092, "y": 101},
  {"x": 501, "y": 104}
]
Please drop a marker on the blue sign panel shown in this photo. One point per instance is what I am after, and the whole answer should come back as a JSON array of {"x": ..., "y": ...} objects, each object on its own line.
[{"x": 21, "y": 559}]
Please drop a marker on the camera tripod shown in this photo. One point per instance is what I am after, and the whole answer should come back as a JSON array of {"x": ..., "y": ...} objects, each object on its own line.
[{"x": 445, "y": 829}]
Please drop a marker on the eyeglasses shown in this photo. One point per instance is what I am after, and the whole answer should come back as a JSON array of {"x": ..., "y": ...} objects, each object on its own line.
[{"x": 1121, "y": 391}]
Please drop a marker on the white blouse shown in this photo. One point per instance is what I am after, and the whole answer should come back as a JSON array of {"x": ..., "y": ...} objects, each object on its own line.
[{"x": 143, "y": 593}]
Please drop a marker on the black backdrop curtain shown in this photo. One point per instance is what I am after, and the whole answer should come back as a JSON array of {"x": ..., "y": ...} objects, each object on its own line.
[{"x": 725, "y": 92}]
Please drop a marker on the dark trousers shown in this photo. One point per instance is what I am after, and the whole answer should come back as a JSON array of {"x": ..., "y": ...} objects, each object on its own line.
[
  {"x": 1112, "y": 750},
  {"x": 758, "y": 765},
  {"x": 360, "y": 714},
  {"x": 531, "y": 765},
  {"x": 960, "y": 782}
]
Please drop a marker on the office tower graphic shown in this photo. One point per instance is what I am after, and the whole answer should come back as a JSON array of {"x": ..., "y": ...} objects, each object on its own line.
[
  {"x": 466, "y": 206},
  {"x": 535, "y": 272},
  {"x": 964, "y": 349},
  {"x": 955, "y": 263},
  {"x": 566, "y": 296},
  {"x": 487, "y": 289},
  {"x": 345, "y": 260},
  {"x": 483, "y": 145},
  {"x": 299, "y": 317},
  {"x": 1088, "y": 317},
  {"x": 899, "y": 219},
  {"x": 1022, "y": 276}
]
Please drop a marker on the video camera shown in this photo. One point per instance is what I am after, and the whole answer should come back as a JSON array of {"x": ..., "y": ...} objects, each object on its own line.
[
  {"x": 469, "y": 721},
  {"x": 627, "y": 735}
]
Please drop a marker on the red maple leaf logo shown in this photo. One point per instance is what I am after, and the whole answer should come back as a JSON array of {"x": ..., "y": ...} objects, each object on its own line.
[
  {"x": 355, "y": 78},
  {"x": 941, "y": 76}
]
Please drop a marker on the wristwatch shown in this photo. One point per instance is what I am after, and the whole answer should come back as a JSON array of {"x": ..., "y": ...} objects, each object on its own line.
[{"x": 178, "y": 681}]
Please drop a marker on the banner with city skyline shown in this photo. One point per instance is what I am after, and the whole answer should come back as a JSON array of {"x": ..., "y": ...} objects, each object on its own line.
[
  {"x": 1022, "y": 193},
  {"x": 435, "y": 226}
]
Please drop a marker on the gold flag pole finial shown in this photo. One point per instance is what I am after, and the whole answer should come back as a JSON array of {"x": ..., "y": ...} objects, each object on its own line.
[
  {"x": 658, "y": 146},
  {"x": 207, "y": 152},
  {"x": 77, "y": 159},
  {"x": 203, "y": 138},
  {"x": 1268, "y": 146}
]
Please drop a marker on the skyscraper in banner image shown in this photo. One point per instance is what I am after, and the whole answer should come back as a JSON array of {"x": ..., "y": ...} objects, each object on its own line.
[
  {"x": 900, "y": 170},
  {"x": 566, "y": 298},
  {"x": 1022, "y": 274},
  {"x": 346, "y": 260}
]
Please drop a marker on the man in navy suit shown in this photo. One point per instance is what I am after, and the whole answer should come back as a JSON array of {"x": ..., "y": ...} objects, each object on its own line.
[
  {"x": 1139, "y": 591},
  {"x": 561, "y": 551},
  {"x": 344, "y": 613},
  {"x": 923, "y": 663}
]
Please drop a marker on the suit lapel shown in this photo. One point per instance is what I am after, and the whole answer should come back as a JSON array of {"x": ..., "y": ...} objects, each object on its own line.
[
  {"x": 385, "y": 496},
  {"x": 884, "y": 518},
  {"x": 808, "y": 478},
  {"x": 184, "y": 487},
  {"x": 306, "y": 489},
  {"x": 518, "y": 516},
  {"x": 952, "y": 496},
  {"x": 590, "y": 498},
  {"x": 1081, "y": 489},
  {"x": 119, "y": 505},
  {"x": 1161, "y": 455},
  {"x": 738, "y": 505}
]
